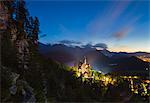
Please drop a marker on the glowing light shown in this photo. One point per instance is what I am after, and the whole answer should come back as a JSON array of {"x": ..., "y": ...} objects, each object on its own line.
[
  {"x": 86, "y": 75},
  {"x": 78, "y": 74},
  {"x": 107, "y": 79},
  {"x": 125, "y": 76},
  {"x": 86, "y": 66},
  {"x": 135, "y": 77}
]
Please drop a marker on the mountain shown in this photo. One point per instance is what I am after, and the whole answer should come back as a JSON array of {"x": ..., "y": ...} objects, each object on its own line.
[
  {"x": 72, "y": 55},
  {"x": 107, "y": 53},
  {"x": 129, "y": 65},
  {"x": 98, "y": 61},
  {"x": 102, "y": 60},
  {"x": 124, "y": 54}
]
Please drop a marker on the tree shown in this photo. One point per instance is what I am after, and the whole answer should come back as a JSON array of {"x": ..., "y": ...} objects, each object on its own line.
[
  {"x": 35, "y": 31},
  {"x": 8, "y": 50}
]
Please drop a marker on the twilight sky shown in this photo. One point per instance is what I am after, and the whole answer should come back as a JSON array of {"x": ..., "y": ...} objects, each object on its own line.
[{"x": 122, "y": 25}]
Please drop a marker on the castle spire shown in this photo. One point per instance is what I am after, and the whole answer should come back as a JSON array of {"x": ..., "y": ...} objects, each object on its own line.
[{"x": 85, "y": 60}]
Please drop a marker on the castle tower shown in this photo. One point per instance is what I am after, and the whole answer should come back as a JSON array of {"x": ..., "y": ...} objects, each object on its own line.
[
  {"x": 85, "y": 60},
  {"x": 84, "y": 68}
]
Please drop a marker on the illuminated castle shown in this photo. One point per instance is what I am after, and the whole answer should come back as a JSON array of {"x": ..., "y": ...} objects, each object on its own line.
[{"x": 84, "y": 68}]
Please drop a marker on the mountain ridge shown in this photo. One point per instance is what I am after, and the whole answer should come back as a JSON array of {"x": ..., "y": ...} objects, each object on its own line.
[{"x": 103, "y": 60}]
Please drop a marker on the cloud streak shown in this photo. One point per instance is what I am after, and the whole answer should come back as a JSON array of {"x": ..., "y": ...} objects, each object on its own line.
[
  {"x": 70, "y": 42},
  {"x": 98, "y": 45},
  {"x": 121, "y": 34},
  {"x": 101, "y": 45},
  {"x": 105, "y": 21},
  {"x": 110, "y": 23},
  {"x": 124, "y": 31}
]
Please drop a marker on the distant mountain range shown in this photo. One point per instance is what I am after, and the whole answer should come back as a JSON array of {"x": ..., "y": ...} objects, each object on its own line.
[{"x": 102, "y": 60}]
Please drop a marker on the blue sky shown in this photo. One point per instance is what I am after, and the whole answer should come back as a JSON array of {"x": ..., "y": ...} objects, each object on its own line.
[{"x": 122, "y": 25}]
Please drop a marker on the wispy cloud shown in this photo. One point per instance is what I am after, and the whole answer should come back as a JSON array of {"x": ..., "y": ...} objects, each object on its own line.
[
  {"x": 111, "y": 24},
  {"x": 69, "y": 42},
  {"x": 98, "y": 45},
  {"x": 126, "y": 28},
  {"x": 88, "y": 45},
  {"x": 101, "y": 45},
  {"x": 121, "y": 34},
  {"x": 104, "y": 21}
]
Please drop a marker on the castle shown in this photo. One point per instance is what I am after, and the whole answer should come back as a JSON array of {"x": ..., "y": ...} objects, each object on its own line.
[{"x": 84, "y": 69}]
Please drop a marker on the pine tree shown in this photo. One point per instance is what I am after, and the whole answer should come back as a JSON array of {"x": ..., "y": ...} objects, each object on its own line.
[
  {"x": 8, "y": 50},
  {"x": 35, "y": 31},
  {"x": 19, "y": 43}
]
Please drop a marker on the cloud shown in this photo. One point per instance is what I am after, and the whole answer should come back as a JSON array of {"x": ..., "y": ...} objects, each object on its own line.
[
  {"x": 101, "y": 45},
  {"x": 43, "y": 35},
  {"x": 107, "y": 19},
  {"x": 88, "y": 45},
  {"x": 110, "y": 23},
  {"x": 98, "y": 45},
  {"x": 123, "y": 32},
  {"x": 70, "y": 42}
]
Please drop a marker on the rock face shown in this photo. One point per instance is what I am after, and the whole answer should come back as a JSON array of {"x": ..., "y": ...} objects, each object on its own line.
[
  {"x": 24, "y": 90},
  {"x": 19, "y": 90},
  {"x": 13, "y": 88}
]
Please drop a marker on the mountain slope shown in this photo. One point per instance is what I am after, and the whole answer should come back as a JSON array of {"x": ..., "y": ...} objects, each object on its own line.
[{"x": 103, "y": 60}]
